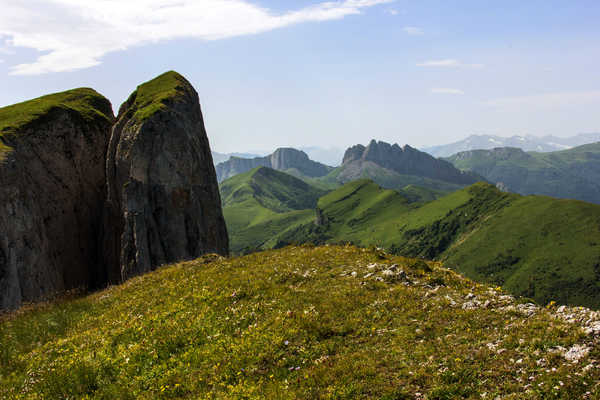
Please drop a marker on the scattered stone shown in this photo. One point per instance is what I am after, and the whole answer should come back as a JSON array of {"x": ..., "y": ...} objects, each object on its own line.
[
  {"x": 527, "y": 309},
  {"x": 576, "y": 353}
]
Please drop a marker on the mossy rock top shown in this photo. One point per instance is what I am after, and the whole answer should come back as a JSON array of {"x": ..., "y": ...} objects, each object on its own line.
[
  {"x": 87, "y": 102},
  {"x": 152, "y": 96}
]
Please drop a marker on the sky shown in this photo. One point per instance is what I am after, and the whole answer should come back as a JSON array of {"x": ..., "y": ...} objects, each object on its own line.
[{"x": 323, "y": 73}]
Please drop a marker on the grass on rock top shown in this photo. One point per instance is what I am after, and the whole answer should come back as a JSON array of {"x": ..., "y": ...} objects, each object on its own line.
[
  {"x": 301, "y": 322},
  {"x": 150, "y": 96},
  {"x": 85, "y": 101}
]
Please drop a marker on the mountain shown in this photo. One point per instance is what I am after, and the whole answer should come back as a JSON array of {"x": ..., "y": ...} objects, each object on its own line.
[
  {"x": 287, "y": 159},
  {"x": 264, "y": 197},
  {"x": 300, "y": 323},
  {"x": 222, "y": 157},
  {"x": 535, "y": 246},
  {"x": 395, "y": 167},
  {"x": 573, "y": 173},
  {"x": 90, "y": 201},
  {"x": 526, "y": 143}
]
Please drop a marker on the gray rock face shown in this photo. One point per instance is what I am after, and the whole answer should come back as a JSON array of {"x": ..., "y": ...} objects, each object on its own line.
[
  {"x": 163, "y": 201},
  {"x": 406, "y": 160},
  {"x": 283, "y": 159},
  {"x": 51, "y": 192}
]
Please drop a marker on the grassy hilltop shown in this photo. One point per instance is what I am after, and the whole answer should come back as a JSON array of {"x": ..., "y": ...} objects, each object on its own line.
[
  {"x": 535, "y": 246},
  {"x": 332, "y": 322},
  {"x": 263, "y": 203}
]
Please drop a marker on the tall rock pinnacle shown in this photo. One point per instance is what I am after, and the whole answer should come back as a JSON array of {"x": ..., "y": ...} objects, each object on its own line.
[{"x": 163, "y": 201}]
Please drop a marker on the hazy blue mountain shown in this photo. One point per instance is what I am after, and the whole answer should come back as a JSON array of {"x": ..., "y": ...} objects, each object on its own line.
[
  {"x": 287, "y": 159},
  {"x": 221, "y": 157},
  {"x": 526, "y": 143}
]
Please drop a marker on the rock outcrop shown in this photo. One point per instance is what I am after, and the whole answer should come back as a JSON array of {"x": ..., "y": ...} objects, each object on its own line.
[
  {"x": 163, "y": 201},
  {"x": 283, "y": 159},
  {"x": 85, "y": 201},
  {"x": 406, "y": 160},
  {"x": 52, "y": 181},
  {"x": 395, "y": 167}
]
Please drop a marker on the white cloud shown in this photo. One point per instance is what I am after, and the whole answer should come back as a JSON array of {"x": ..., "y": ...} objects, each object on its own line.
[
  {"x": 449, "y": 62},
  {"x": 76, "y": 34},
  {"x": 446, "y": 91},
  {"x": 547, "y": 100},
  {"x": 392, "y": 11},
  {"x": 412, "y": 30}
]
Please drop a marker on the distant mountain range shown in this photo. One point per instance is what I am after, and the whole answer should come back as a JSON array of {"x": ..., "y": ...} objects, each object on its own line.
[
  {"x": 221, "y": 157},
  {"x": 287, "y": 159},
  {"x": 534, "y": 246},
  {"x": 573, "y": 173},
  {"x": 526, "y": 143}
]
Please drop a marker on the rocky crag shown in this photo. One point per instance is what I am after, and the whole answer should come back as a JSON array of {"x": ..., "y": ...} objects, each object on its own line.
[
  {"x": 394, "y": 167},
  {"x": 163, "y": 201},
  {"x": 51, "y": 188},
  {"x": 75, "y": 215},
  {"x": 285, "y": 159}
]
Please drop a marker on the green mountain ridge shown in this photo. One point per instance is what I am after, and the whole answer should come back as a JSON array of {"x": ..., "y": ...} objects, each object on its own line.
[
  {"x": 534, "y": 246},
  {"x": 573, "y": 173},
  {"x": 262, "y": 203}
]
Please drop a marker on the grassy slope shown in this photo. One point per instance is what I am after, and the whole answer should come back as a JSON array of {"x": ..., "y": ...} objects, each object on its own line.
[
  {"x": 540, "y": 247},
  {"x": 86, "y": 102},
  {"x": 363, "y": 213},
  {"x": 260, "y": 203},
  {"x": 294, "y": 323}
]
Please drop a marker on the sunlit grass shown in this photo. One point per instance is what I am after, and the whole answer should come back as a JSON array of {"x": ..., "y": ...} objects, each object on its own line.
[{"x": 299, "y": 322}]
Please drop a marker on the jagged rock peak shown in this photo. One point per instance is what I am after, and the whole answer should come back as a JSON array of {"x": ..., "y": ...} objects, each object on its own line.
[
  {"x": 163, "y": 201},
  {"x": 51, "y": 193},
  {"x": 406, "y": 160}
]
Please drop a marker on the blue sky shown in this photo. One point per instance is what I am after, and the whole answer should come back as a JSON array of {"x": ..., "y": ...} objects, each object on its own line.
[{"x": 282, "y": 73}]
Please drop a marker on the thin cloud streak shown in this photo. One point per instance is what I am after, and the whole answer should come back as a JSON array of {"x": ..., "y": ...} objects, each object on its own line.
[
  {"x": 448, "y": 63},
  {"x": 413, "y": 31},
  {"x": 76, "y": 34},
  {"x": 446, "y": 91}
]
